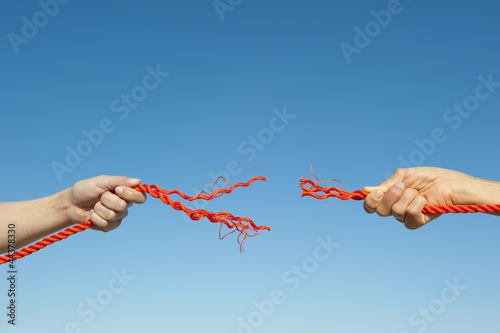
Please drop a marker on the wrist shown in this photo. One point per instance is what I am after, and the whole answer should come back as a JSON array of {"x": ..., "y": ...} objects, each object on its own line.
[{"x": 61, "y": 203}]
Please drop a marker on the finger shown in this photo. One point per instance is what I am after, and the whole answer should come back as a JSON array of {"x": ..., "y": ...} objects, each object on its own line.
[
  {"x": 103, "y": 225},
  {"x": 130, "y": 195},
  {"x": 112, "y": 225},
  {"x": 98, "y": 222},
  {"x": 113, "y": 202},
  {"x": 105, "y": 213},
  {"x": 414, "y": 216},
  {"x": 396, "y": 177},
  {"x": 372, "y": 201},
  {"x": 398, "y": 210},
  {"x": 392, "y": 196},
  {"x": 109, "y": 183}
]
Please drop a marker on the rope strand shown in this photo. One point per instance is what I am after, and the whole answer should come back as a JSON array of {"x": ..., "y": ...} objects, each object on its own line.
[
  {"x": 311, "y": 188},
  {"x": 243, "y": 225}
]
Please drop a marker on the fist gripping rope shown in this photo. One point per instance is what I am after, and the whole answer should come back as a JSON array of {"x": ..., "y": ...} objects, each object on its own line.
[
  {"x": 311, "y": 188},
  {"x": 242, "y": 225}
]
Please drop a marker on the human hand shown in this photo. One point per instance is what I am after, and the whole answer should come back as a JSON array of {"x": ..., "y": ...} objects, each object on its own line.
[
  {"x": 104, "y": 200},
  {"x": 407, "y": 191}
]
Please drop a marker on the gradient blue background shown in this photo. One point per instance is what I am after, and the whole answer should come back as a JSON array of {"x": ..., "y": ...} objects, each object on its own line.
[{"x": 353, "y": 121}]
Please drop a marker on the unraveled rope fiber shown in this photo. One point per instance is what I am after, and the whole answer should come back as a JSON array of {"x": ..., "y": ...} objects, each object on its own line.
[
  {"x": 311, "y": 188},
  {"x": 242, "y": 225}
]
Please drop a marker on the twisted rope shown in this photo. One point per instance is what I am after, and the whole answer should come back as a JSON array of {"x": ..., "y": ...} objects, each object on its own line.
[
  {"x": 310, "y": 188},
  {"x": 241, "y": 224}
]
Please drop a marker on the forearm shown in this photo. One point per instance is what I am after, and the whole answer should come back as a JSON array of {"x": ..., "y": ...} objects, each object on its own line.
[
  {"x": 485, "y": 192},
  {"x": 33, "y": 219}
]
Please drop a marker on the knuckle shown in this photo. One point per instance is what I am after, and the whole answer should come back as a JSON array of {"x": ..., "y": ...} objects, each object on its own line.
[
  {"x": 416, "y": 209},
  {"x": 106, "y": 196},
  {"x": 400, "y": 171},
  {"x": 111, "y": 215},
  {"x": 413, "y": 225},
  {"x": 122, "y": 206},
  {"x": 137, "y": 197},
  {"x": 383, "y": 212},
  {"x": 99, "y": 225},
  {"x": 394, "y": 191},
  {"x": 410, "y": 193},
  {"x": 397, "y": 209},
  {"x": 98, "y": 180},
  {"x": 125, "y": 194},
  {"x": 369, "y": 208},
  {"x": 99, "y": 222},
  {"x": 413, "y": 211}
]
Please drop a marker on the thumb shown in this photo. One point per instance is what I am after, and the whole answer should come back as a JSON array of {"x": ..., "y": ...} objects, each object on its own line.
[
  {"x": 109, "y": 183},
  {"x": 396, "y": 177},
  {"x": 370, "y": 189}
]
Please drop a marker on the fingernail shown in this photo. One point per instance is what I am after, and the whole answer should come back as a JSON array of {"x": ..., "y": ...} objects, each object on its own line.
[
  {"x": 400, "y": 185},
  {"x": 119, "y": 190},
  {"x": 134, "y": 180},
  {"x": 378, "y": 194}
]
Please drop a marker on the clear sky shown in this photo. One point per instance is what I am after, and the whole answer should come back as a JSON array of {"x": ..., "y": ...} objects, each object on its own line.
[{"x": 178, "y": 92}]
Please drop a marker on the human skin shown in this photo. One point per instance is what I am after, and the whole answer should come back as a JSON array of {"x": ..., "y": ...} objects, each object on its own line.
[
  {"x": 104, "y": 200},
  {"x": 407, "y": 191}
]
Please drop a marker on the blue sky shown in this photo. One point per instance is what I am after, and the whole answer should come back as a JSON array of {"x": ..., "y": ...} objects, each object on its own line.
[{"x": 392, "y": 98}]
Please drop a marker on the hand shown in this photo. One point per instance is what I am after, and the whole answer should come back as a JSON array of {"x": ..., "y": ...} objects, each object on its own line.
[
  {"x": 104, "y": 200},
  {"x": 407, "y": 191}
]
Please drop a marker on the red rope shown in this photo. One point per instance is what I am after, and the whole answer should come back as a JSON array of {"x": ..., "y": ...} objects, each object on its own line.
[
  {"x": 335, "y": 192},
  {"x": 241, "y": 224}
]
